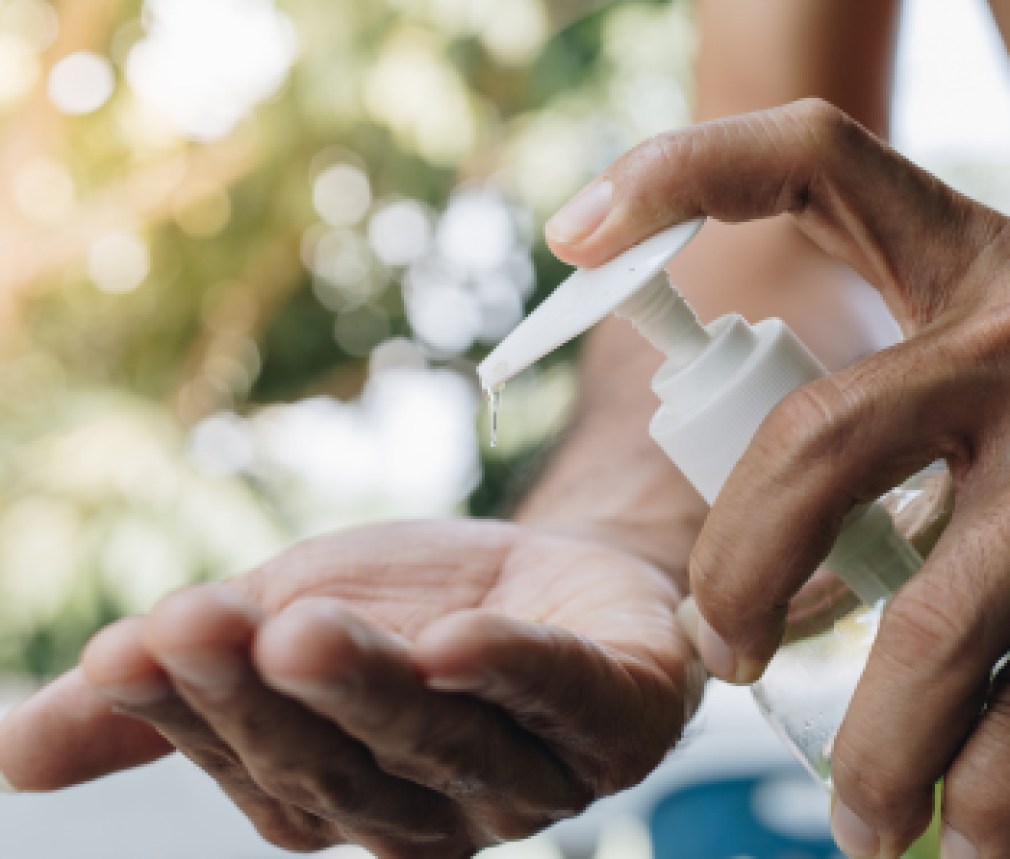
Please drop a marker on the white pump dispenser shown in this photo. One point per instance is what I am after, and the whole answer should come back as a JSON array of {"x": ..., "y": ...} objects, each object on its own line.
[{"x": 717, "y": 385}]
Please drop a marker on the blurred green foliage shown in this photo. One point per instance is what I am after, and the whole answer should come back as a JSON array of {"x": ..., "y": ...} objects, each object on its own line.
[{"x": 206, "y": 301}]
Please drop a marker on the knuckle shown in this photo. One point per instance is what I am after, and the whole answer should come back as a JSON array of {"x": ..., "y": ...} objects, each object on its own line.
[
  {"x": 821, "y": 116},
  {"x": 977, "y": 789},
  {"x": 879, "y": 794},
  {"x": 977, "y": 803},
  {"x": 329, "y": 791},
  {"x": 826, "y": 128},
  {"x": 812, "y": 422},
  {"x": 442, "y": 766},
  {"x": 275, "y": 827},
  {"x": 929, "y": 620},
  {"x": 254, "y": 724},
  {"x": 515, "y": 826},
  {"x": 978, "y": 345},
  {"x": 442, "y": 746},
  {"x": 279, "y": 784},
  {"x": 455, "y": 845},
  {"x": 219, "y": 764},
  {"x": 630, "y": 771},
  {"x": 603, "y": 773},
  {"x": 335, "y": 792},
  {"x": 663, "y": 155}
]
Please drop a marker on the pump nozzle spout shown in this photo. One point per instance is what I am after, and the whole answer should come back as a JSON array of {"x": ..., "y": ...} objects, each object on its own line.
[
  {"x": 585, "y": 298},
  {"x": 667, "y": 321}
]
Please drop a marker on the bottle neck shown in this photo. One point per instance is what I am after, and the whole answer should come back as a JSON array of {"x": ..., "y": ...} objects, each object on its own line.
[{"x": 666, "y": 320}]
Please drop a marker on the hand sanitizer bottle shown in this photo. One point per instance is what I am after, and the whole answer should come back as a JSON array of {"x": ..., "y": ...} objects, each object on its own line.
[{"x": 717, "y": 385}]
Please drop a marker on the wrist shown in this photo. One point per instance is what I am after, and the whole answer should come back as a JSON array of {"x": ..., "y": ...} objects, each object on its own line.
[{"x": 659, "y": 524}]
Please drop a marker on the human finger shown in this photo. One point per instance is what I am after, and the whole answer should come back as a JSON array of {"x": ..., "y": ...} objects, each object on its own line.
[
  {"x": 826, "y": 449},
  {"x": 201, "y": 637},
  {"x": 67, "y": 734},
  {"x": 905, "y": 231},
  {"x": 121, "y": 671},
  {"x": 976, "y": 790},
  {"x": 923, "y": 688},
  {"x": 579, "y": 697},
  {"x": 364, "y": 680}
]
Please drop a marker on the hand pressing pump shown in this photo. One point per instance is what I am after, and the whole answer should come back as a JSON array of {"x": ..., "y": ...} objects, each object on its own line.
[{"x": 717, "y": 385}]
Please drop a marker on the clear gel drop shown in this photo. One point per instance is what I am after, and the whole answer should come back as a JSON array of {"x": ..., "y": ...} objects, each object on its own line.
[{"x": 493, "y": 402}]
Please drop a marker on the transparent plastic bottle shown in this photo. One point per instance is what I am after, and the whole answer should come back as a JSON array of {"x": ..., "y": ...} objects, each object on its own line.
[
  {"x": 713, "y": 402},
  {"x": 807, "y": 687}
]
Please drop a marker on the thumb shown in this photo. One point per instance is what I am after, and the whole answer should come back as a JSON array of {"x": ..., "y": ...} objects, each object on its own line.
[
  {"x": 66, "y": 735},
  {"x": 861, "y": 201}
]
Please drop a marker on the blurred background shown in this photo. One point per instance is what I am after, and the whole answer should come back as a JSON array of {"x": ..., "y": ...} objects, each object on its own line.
[{"x": 252, "y": 249}]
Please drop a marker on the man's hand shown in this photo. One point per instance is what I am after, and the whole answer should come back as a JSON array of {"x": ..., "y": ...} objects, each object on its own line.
[
  {"x": 926, "y": 707},
  {"x": 422, "y": 689}
]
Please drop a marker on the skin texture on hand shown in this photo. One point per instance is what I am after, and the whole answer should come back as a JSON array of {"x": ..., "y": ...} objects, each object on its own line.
[
  {"x": 942, "y": 264},
  {"x": 422, "y": 689},
  {"x": 647, "y": 510}
]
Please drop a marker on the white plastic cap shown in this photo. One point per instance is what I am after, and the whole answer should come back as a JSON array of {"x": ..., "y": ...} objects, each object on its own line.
[
  {"x": 713, "y": 407},
  {"x": 582, "y": 301}
]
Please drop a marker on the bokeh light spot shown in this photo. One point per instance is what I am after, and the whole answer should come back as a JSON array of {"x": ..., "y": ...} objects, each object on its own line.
[
  {"x": 514, "y": 32},
  {"x": 446, "y": 316},
  {"x": 400, "y": 232},
  {"x": 33, "y": 20},
  {"x": 501, "y": 307},
  {"x": 342, "y": 195},
  {"x": 344, "y": 268},
  {"x": 221, "y": 445},
  {"x": 81, "y": 83},
  {"x": 477, "y": 232},
  {"x": 119, "y": 263},
  {"x": 416, "y": 93},
  {"x": 207, "y": 65}
]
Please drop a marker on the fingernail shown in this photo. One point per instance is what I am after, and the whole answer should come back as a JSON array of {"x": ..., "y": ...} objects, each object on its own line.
[
  {"x": 717, "y": 655},
  {"x": 216, "y": 675},
  {"x": 687, "y": 617},
  {"x": 581, "y": 215},
  {"x": 138, "y": 693},
  {"x": 856, "y": 838},
  {"x": 953, "y": 845}
]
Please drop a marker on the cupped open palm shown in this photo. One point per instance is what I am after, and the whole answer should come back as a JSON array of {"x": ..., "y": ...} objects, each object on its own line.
[{"x": 420, "y": 688}]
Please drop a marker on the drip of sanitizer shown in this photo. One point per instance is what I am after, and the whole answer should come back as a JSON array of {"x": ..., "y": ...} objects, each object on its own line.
[
  {"x": 716, "y": 387},
  {"x": 493, "y": 404}
]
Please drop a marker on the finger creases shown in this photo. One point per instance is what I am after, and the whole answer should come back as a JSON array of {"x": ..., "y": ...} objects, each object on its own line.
[
  {"x": 915, "y": 714},
  {"x": 366, "y": 682},
  {"x": 290, "y": 754},
  {"x": 578, "y": 696},
  {"x": 976, "y": 796},
  {"x": 68, "y": 734},
  {"x": 810, "y": 159},
  {"x": 827, "y": 450}
]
